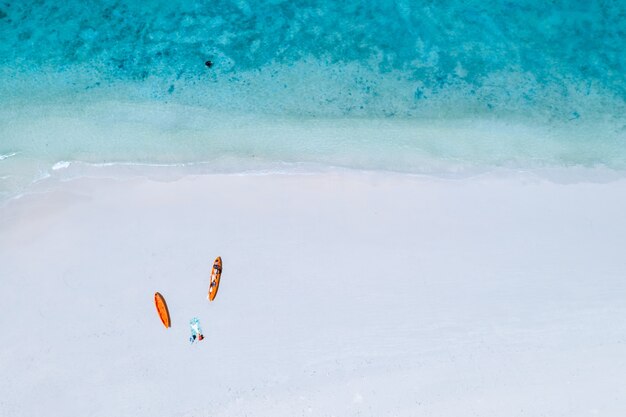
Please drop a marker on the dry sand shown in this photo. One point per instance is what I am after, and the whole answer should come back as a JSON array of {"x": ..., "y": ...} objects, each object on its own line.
[{"x": 343, "y": 294}]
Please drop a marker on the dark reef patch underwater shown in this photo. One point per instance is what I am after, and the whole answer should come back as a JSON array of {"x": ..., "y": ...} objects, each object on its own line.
[{"x": 557, "y": 68}]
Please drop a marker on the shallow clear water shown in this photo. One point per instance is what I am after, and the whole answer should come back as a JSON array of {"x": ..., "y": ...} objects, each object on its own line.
[
  {"x": 415, "y": 86},
  {"x": 380, "y": 58}
]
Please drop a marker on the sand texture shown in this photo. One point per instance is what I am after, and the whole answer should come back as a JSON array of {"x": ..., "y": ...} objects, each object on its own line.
[{"x": 348, "y": 294}]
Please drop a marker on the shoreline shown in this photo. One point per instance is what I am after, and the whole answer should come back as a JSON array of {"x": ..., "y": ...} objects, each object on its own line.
[
  {"x": 72, "y": 171},
  {"x": 417, "y": 209},
  {"x": 43, "y": 139}
]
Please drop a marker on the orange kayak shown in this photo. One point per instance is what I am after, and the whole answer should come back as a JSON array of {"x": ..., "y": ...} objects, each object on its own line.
[
  {"x": 161, "y": 307},
  {"x": 216, "y": 273}
]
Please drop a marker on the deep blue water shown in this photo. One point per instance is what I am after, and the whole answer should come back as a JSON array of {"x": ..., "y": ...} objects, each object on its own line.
[
  {"x": 375, "y": 58},
  {"x": 555, "y": 66}
]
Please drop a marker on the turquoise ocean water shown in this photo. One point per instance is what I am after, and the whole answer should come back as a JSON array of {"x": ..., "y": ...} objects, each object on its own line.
[{"x": 412, "y": 86}]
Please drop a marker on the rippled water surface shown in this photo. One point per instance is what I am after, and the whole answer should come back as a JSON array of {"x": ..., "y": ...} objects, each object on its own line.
[{"x": 450, "y": 83}]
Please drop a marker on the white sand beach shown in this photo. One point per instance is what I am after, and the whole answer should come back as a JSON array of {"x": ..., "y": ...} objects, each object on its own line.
[
  {"x": 345, "y": 294},
  {"x": 420, "y": 207}
]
